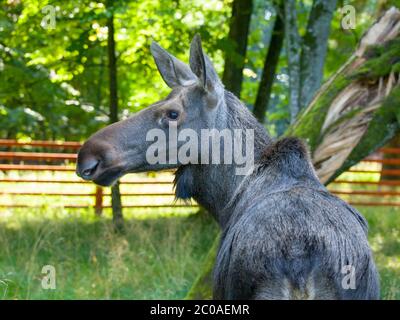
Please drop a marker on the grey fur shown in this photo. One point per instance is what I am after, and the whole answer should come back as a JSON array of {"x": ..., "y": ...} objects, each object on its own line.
[{"x": 284, "y": 236}]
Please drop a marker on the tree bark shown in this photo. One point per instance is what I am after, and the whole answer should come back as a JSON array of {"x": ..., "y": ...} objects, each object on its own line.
[
  {"x": 314, "y": 47},
  {"x": 116, "y": 204},
  {"x": 113, "y": 87},
  {"x": 270, "y": 66},
  {"x": 354, "y": 113},
  {"x": 238, "y": 32},
  {"x": 293, "y": 52},
  {"x": 356, "y": 110},
  {"x": 112, "y": 69}
]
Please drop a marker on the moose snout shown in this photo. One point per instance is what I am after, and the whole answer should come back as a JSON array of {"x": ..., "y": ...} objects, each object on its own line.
[
  {"x": 89, "y": 160},
  {"x": 99, "y": 161}
]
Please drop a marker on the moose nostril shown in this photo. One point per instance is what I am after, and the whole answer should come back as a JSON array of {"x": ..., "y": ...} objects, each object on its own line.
[
  {"x": 89, "y": 168},
  {"x": 87, "y": 172}
]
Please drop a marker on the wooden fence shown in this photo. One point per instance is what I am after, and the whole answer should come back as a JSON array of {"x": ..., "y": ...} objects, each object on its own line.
[
  {"x": 375, "y": 181},
  {"x": 361, "y": 185},
  {"x": 60, "y": 157}
]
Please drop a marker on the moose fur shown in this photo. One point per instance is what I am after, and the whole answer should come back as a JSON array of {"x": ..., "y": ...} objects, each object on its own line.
[{"x": 284, "y": 235}]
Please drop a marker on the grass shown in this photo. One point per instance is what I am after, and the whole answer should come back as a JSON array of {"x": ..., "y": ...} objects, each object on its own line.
[
  {"x": 153, "y": 258},
  {"x": 157, "y": 257},
  {"x": 384, "y": 238}
]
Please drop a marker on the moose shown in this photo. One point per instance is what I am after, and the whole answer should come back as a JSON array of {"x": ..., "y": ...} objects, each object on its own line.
[{"x": 283, "y": 234}]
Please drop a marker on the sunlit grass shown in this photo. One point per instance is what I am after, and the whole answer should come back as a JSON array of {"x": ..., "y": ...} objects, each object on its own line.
[
  {"x": 153, "y": 258},
  {"x": 384, "y": 238},
  {"x": 158, "y": 255}
]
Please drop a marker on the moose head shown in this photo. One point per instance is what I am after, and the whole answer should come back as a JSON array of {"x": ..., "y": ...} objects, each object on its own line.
[{"x": 195, "y": 103}]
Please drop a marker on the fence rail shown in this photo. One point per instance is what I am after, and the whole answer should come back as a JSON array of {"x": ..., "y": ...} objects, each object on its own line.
[
  {"x": 23, "y": 157},
  {"x": 56, "y": 156},
  {"x": 37, "y": 143}
]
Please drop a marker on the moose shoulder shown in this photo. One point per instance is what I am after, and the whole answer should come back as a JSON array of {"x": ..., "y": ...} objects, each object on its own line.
[{"x": 284, "y": 236}]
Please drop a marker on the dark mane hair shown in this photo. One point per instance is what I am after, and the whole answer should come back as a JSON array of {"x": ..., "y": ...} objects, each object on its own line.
[
  {"x": 285, "y": 147},
  {"x": 289, "y": 156}
]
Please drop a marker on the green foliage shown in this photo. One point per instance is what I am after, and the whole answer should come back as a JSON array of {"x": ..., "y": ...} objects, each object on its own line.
[
  {"x": 342, "y": 43},
  {"x": 54, "y": 82}
]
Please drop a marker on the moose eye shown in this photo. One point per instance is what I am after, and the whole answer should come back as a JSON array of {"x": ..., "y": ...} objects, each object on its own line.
[{"x": 172, "y": 114}]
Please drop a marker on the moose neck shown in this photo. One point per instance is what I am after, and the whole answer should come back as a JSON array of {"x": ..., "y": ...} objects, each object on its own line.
[{"x": 214, "y": 185}]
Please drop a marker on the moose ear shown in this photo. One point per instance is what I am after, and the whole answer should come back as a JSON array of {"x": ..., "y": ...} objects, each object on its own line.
[
  {"x": 197, "y": 61},
  {"x": 201, "y": 65},
  {"x": 173, "y": 71}
]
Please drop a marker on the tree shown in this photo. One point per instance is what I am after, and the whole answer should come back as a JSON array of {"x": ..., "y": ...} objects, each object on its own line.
[
  {"x": 313, "y": 51},
  {"x": 270, "y": 65},
  {"x": 355, "y": 112},
  {"x": 238, "y": 34},
  {"x": 306, "y": 55},
  {"x": 113, "y": 86},
  {"x": 293, "y": 52},
  {"x": 63, "y": 82},
  {"x": 54, "y": 81}
]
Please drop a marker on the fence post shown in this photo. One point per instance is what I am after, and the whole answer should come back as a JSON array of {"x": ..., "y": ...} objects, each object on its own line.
[{"x": 98, "y": 207}]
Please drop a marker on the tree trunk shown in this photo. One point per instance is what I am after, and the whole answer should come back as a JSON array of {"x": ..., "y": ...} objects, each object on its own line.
[
  {"x": 238, "y": 32},
  {"x": 118, "y": 218},
  {"x": 270, "y": 66},
  {"x": 356, "y": 110},
  {"x": 293, "y": 51},
  {"x": 306, "y": 56},
  {"x": 113, "y": 86},
  {"x": 314, "y": 46},
  {"x": 354, "y": 113},
  {"x": 112, "y": 69}
]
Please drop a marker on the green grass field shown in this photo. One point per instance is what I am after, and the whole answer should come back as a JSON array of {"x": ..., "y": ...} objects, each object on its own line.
[
  {"x": 384, "y": 238},
  {"x": 158, "y": 256}
]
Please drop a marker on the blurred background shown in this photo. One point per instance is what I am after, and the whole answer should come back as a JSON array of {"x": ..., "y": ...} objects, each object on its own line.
[{"x": 68, "y": 68}]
